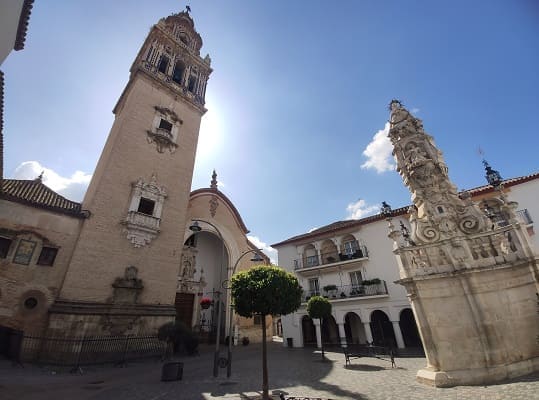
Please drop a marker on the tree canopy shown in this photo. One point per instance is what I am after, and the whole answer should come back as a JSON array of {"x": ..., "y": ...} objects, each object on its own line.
[
  {"x": 318, "y": 307},
  {"x": 265, "y": 290}
]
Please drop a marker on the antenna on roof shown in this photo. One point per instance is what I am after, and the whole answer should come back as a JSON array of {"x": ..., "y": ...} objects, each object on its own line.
[{"x": 188, "y": 9}]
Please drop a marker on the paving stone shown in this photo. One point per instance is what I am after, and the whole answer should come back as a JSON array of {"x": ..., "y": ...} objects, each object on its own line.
[{"x": 294, "y": 372}]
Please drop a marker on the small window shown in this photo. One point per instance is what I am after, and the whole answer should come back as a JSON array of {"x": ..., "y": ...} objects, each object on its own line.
[
  {"x": 356, "y": 279},
  {"x": 146, "y": 206},
  {"x": 314, "y": 287},
  {"x": 5, "y": 244},
  {"x": 47, "y": 256},
  {"x": 30, "y": 303},
  {"x": 257, "y": 320},
  {"x": 164, "y": 124},
  {"x": 163, "y": 64},
  {"x": 24, "y": 252},
  {"x": 351, "y": 247}
]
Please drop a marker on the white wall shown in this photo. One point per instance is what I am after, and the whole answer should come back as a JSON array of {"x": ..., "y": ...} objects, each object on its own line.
[
  {"x": 527, "y": 196},
  {"x": 10, "y": 12}
]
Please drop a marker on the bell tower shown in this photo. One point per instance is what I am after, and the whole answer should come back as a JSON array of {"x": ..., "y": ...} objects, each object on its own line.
[{"x": 123, "y": 273}]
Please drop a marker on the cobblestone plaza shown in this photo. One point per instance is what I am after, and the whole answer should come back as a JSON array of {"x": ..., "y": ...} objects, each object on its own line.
[{"x": 295, "y": 372}]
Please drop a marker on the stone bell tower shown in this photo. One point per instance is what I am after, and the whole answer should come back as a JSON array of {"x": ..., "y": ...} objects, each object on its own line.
[
  {"x": 122, "y": 277},
  {"x": 472, "y": 280}
]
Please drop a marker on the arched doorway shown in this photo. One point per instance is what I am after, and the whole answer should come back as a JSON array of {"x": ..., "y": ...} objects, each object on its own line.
[
  {"x": 382, "y": 329},
  {"x": 409, "y": 330},
  {"x": 308, "y": 331},
  {"x": 203, "y": 267},
  {"x": 353, "y": 328},
  {"x": 330, "y": 331}
]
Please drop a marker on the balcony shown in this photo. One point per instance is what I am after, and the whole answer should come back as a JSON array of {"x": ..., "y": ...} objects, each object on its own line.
[
  {"x": 349, "y": 292},
  {"x": 330, "y": 259},
  {"x": 141, "y": 228},
  {"x": 524, "y": 216}
]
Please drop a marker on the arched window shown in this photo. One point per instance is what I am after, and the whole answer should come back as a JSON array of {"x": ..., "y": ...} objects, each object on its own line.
[
  {"x": 179, "y": 69},
  {"x": 163, "y": 64},
  {"x": 192, "y": 83}
]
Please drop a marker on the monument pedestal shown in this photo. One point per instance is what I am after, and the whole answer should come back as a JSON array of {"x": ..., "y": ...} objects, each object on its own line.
[{"x": 478, "y": 376}]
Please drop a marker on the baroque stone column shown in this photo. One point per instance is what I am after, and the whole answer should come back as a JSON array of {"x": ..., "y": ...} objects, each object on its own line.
[{"x": 471, "y": 278}]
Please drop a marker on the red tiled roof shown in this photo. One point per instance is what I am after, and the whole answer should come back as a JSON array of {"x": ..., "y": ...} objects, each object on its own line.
[
  {"x": 34, "y": 193},
  {"x": 24, "y": 19},
  {"x": 342, "y": 225}
]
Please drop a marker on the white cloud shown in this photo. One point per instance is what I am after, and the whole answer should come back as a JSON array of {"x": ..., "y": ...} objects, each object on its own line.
[
  {"x": 267, "y": 249},
  {"x": 72, "y": 187},
  {"x": 378, "y": 152},
  {"x": 361, "y": 209}
]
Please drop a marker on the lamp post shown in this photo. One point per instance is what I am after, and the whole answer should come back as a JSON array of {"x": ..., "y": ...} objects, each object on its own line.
[
  {"x": 195, "y": 227},
  {"x": 256, "y": 258}
]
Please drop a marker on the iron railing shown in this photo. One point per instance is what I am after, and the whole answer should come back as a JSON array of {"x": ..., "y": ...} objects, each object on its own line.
[
  {"x": 525, "y": 216},
  {"x": 330, "y": 258},
  {"x": 350, "y": 291},
  {"x": 85, "y": 351}
]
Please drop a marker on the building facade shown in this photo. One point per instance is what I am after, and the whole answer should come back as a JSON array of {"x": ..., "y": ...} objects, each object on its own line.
[
  {"x": 124, "y": 261},
  {"x": 352, "y": 263}
]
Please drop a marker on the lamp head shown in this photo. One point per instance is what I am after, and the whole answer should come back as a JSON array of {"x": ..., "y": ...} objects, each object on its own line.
[
  {"x": 257, "y": 258},
  {"x": 195, "y": 227}
]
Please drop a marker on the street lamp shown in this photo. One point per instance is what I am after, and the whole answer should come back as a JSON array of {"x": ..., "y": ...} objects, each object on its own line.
[
  {"x": 256, "y": 258},
  {"x": 195, "y": 227}
]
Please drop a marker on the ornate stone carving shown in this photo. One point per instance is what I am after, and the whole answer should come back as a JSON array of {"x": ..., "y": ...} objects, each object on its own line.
[
  {"x": 213, "y": 201},
  {"x": 141, "y": 227},
  {"x": 186, "y": 279},
  {"x": 127, "y": 288},
  {"x": 440, "y": 213}
]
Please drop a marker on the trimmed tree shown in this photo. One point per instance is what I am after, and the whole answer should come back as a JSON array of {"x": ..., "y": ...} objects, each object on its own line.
[
  {"x": 319, "y": 307},
  {"x": 265, "y": 290}
]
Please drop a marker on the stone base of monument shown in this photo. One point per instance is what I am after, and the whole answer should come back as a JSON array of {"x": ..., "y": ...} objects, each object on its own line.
[{"x": 477, "y": 376}]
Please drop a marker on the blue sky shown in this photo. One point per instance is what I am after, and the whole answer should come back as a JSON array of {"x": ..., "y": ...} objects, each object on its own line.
[{"x": 299, "y": 90}]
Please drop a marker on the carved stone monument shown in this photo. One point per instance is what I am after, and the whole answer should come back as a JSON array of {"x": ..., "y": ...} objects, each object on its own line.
[{"x": 471, "y": 278}]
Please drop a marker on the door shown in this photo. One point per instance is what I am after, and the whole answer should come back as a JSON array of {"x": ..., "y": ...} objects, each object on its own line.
[{"x": 184, "y": 308}]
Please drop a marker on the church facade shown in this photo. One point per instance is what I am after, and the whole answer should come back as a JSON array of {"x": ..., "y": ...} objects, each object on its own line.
[{"x": 124, "y": 261}]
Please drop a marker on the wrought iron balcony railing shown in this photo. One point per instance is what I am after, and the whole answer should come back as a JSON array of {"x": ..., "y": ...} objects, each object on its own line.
[
  {"x": 330, "y": 258},
  {"x": 350, "y": 291}
]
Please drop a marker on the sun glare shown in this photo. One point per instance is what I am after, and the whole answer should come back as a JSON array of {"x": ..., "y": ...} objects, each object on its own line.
[{"x": 211, "y": 132}]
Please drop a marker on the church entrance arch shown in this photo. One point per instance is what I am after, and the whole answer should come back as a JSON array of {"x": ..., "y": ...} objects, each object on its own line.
[
  {"x": 409, "y": 330},
  {"x": 353, "y": 328},
  {"x": 330, "y": 331},
  {"x": 382, "y": 329}
]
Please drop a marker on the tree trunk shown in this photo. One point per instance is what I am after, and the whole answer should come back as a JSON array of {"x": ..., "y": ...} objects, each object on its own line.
[
  {"x": 322, "y": 338},
  {"x": 265, "y": 390}
]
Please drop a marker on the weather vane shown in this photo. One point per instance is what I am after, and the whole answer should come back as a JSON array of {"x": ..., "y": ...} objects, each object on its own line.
[{"x": 188, "y": 9}]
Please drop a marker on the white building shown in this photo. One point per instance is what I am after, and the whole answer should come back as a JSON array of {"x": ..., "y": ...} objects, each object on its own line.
[{"x": 352, "y": 263}]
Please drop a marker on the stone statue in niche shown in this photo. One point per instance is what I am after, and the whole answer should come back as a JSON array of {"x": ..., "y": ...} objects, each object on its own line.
[{"x": 127, "y": 289}]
